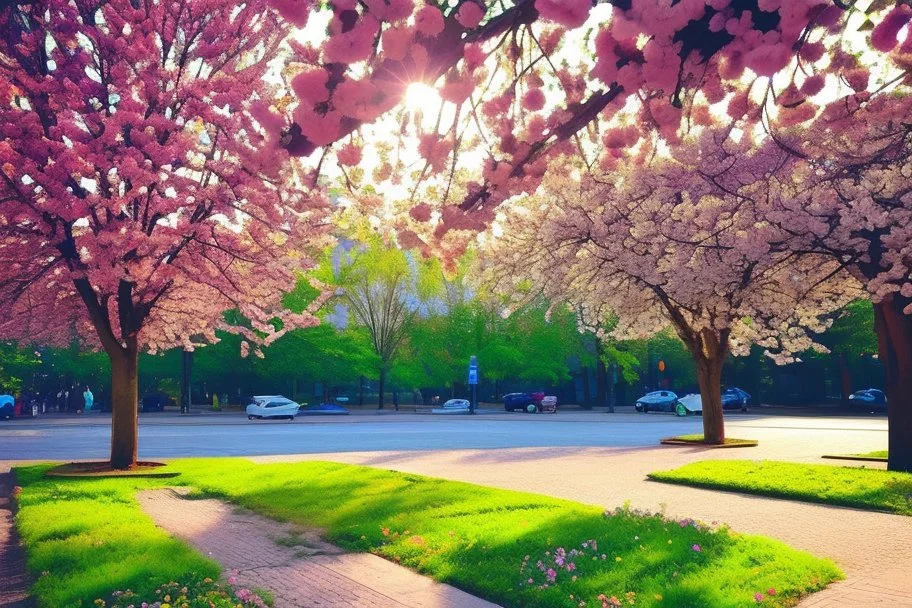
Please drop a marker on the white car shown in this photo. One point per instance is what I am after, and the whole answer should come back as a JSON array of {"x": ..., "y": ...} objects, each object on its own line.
[
  {"x": 689, "y": 404},
  {"x": 272, "y": 406},
  {"x": 453, "y": 406}
]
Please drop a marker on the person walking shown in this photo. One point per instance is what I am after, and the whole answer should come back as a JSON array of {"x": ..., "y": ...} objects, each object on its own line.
[{"x": 89, "y": 399}]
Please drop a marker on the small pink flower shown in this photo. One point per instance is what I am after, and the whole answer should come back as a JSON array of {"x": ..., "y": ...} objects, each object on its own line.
[
  {"x": 758, "y": 597},
  {"x": 771, "y": 591},
  {"x": 696, "y": 548}
]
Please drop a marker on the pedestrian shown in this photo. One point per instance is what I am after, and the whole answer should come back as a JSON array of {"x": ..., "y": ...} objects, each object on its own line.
[
  {"x": 396, "y": 400},
  {"x": 88, "y": 398}
]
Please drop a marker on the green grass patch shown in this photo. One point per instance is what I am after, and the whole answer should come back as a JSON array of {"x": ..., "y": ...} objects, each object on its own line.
[
  {"x": 484, "y": 540},
  {"x": 845, "y": 486},
  {"x": 875, "y": 454},
  {"x": 698, "y": 440},
  {"x": 85, "y": 538}
]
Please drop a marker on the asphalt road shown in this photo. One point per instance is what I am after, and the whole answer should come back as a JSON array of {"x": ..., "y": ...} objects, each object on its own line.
[{"x": 231, "y": 434}]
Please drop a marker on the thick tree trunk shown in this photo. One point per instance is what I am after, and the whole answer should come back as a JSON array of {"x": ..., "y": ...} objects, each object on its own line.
[
  {"x": 845, "y": 376},
  {"x": 894, "y": 339},
  {"x": 709, "y": 352},
  {"x": 124, "y": 418},
  {"x": 709, "y": 376},
  {"x": 382, "y": 388}
]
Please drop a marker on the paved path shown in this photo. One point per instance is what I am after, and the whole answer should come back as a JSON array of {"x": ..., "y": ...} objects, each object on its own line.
[
  {"x": 14, "y": 582},
  {"x": 873, "y": 549},
  {"x": 301, "y": 570}
]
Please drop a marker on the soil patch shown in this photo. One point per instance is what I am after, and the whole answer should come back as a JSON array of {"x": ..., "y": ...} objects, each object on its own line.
[
  {"x": 103, "y": 469},
  {"x": 698, "y": 441}
]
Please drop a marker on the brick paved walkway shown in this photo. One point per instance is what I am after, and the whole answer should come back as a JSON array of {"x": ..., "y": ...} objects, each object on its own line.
[
  {"x": 300, "y": 569},
  {"x": 873, "y": 549},
  {"x": 14, "y": 581}
]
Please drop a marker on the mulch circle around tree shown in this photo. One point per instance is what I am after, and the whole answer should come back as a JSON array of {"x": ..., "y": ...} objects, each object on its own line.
[
  {"x": 103, "y": 469},
  {"x": 729, "y": 443}
]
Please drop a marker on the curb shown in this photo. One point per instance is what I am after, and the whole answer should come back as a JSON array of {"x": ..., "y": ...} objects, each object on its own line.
[{"x": 855, "y": 458}]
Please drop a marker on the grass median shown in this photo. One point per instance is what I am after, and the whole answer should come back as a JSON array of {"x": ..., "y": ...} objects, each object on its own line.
[
  {"x": 858, "y": 487},
  {"x": 512, "y": 548}
]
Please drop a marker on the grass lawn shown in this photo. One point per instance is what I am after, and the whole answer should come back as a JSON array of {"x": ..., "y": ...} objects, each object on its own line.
[
  {"x": 846, "y": 486},
  {"x": 88, "y": 538},
  {"x": 875, "y": 454}
]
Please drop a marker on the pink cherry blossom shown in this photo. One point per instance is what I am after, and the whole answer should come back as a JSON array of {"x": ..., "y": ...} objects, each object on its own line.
[
  {"x": 470, "y": 14},
  {"x": 569, "y": 13},
  {"x": 429, "y": 21}
]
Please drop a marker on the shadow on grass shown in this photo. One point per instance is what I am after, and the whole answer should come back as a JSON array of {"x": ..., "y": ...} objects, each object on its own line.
[{"x": 474, "y": 537}]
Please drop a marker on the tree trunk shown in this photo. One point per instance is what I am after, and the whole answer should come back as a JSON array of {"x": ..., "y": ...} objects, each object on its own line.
[
  {"x": 124, "y": 418},
  {"x": 360, "y": 390},
  {"x": 709, "y": 352},
  {"x": 845, "y": 376},
  {"x": 382, "y": 388},
  {"x": 185, "y": 398},
  {"x": 894, "y": 341},
  {"x": 601, "y": 377},
  {"x": 587, "y": 394}
]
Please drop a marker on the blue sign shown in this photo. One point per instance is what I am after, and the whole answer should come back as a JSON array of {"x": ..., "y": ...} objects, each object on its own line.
[{"x": 473, "y": 370}]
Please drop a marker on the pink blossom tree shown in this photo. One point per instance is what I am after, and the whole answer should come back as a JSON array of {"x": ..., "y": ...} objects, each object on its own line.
[
  {"x": 140, "y": 195},
  {"x": 527, "y": 80},
  {"x": 846, "y": 193},
  {"x": 678, "y": 242}
]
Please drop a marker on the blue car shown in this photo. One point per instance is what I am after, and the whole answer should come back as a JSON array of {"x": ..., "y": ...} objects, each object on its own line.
[
  {"x": 734, "y": 398},
  {"x": 657, "y": 401},
  {"x": 322, "y": 409},
  {"x": 869, "y": 397},
  {"x": 7, "y": 407}
]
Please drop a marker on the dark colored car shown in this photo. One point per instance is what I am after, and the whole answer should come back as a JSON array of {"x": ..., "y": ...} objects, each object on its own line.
[
  {"x": 656, "y": 401},
  {"x": 155, "y": 401},
  {"x": 522, "y": 401},
  {"x": 734, "y": 398},
  {"x": 869, "y": 397}
]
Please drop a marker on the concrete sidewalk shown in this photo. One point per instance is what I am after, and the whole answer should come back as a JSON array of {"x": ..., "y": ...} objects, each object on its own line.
[{"x": 300, "y": 569}]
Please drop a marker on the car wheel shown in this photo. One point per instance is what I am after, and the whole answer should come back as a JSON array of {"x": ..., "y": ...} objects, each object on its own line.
[
  {"x": 680, "y": 410},
  {"x": 645, "y": 409},
  {"x": 291, "y": 419},
  {"x": 249, "y": 417}
]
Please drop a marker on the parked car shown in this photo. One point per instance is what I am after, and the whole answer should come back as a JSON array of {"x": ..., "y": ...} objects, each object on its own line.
[
  {"x": 526, "y": 402},
  {"x": 155, "y": 401},
  {"x": 689, "y": 404},
  {"x": 272, "y": 406},
  {"x": 452, "y": 406},
  {"x": 869, "y": 397},
  {"x": 734, "y": 398},
  {"x": 322, "y": 409},
  {"x": 7, "y": 403},
  {"x": 656, "y": 401}
]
